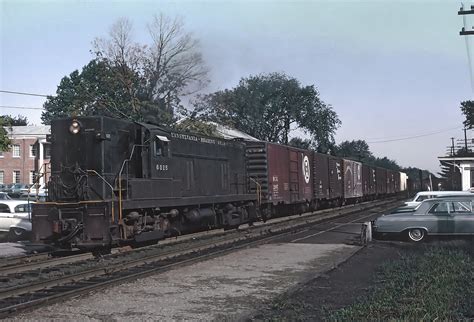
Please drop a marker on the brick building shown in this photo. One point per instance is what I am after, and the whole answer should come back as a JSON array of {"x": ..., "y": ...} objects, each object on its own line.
[{"x": 29, "y": 155}]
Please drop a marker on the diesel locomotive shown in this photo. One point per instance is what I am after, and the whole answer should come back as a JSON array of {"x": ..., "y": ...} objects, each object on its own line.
[{"x": 117, "y": 182}]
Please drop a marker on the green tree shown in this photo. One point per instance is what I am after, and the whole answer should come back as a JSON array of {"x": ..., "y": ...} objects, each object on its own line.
[
  {"x": 269, "y": 107},
  {"x": 141, "y": 82},
  {"x": 467, "y": 108},
  {"x": 167, "y": 68},
  {"x": 18, "y": 120},
  {"x": 197, "y": 126},
  {"x": 385, "y": 163},
  {"x": 355, "y": 149},
  {"x": 4, "y": 139},
  {"x": 92, "y": 91},
  {"x": 7, "y": 121},
  {"x": 300, "y": 143},
  {"x": 99, "y": 89}
]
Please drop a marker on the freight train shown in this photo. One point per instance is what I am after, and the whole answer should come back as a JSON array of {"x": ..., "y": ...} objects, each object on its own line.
[{"x": 116, "y": 182}]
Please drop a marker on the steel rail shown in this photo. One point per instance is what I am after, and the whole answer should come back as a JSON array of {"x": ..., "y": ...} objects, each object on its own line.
[{"x": 42, "y": 262}]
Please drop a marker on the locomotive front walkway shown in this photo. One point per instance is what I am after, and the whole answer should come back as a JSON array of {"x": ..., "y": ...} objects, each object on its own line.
[{"x": 228, "y": 287}]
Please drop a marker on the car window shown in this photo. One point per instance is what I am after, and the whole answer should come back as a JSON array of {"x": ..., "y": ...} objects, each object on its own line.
[
  {"x": 440, "y": 208},
  {"x": 4, "y": 208},
  {"x": 462, "y": 207},
  {"x": 24, "y": 207},
  {"x": 421, "y": 198}
]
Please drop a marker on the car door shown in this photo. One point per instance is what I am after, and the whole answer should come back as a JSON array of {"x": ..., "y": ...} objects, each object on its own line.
[
  {"x": 436, "y": 218},
  {"x": 461, "y": 220},
  {"x": 6, "y": 217}
]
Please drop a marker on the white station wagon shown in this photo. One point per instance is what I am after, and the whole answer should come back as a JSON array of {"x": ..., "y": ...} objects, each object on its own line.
[{"x": 15, "y": 221}]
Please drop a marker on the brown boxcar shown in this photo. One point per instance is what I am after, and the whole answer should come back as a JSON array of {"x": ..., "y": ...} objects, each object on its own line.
[
  {"x": 381, "y": 181},
  {"x": 321, "y": 176},
  {"x": 391, "y": 181},
  {"x": 396, "y": 176},
  {"x": 352, "y": 179},
  {"x": 283, "y": 172},
  {"x": 369, "y": 187},
  {"x": 336, "y": 181}
]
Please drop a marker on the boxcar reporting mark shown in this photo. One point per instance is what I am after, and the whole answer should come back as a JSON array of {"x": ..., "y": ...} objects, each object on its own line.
[{"x": 306, "y": 172}]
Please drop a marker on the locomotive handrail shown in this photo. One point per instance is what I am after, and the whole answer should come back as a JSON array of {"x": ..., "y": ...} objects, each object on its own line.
[
  {"x": 38, "y": 177},
  {"x": 35, "y": 182},
  {"x": 111, "y": 187},
  {"x": 120, "y": 178},
  {"x": 259, "y": 191}
]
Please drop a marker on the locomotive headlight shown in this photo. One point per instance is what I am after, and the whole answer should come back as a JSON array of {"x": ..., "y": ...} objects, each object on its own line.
[{"x": 75, "y": 127}]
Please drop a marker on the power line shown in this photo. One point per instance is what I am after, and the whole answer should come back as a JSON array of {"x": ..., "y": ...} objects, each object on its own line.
[
  {"x": 22, "y": 107},
  {"x": 416, "y": 136},
  {"x": 409, "y": 135},
  {"x": 23, "y": 93}
]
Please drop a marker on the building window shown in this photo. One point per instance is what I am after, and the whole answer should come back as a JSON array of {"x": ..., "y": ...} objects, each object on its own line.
[
  {"x": 32, "y": 177},
  {"x": 16, "y": 150},
  {"x": 16, "y": 177},
  {"x": 1, "y": 177},
  {"x": 32, "y": 150},
  {"x": 47, "y": 151}
]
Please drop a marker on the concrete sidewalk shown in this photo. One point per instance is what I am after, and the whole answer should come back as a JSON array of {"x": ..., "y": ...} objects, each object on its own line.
[{"x": 227, "y": 287}]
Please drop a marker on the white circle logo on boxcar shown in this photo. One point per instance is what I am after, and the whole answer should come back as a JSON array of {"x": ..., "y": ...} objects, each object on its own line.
[{"x": 306, "y": 170}]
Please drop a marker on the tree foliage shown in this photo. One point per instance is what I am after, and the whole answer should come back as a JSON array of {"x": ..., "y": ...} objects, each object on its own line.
[
  {"x": 18, "y": 120},
  {"x": 167, "y": 68},
  {"x": 300, "y": 143},
  {"x": 142, "y": 82},
  {"x": 269, "y": 107},
  {"x": 197, "y": 126},
  {"x": 9, "y": 121},
  {"x": 355, "y": 149},
  {"x": 467, "y": 108},
  {"x": 4, "y": 139},
  {"x": 92, "y": 91},
  {"x": 359, "y": 150}
]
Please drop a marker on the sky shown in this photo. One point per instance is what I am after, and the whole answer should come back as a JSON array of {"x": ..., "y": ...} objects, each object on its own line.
[{"x": 390, "y": 69}]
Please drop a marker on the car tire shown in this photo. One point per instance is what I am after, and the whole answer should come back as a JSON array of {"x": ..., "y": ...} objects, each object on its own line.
[
  {"x": 17, "y": 234},
  {"x": 416, "y": 234}
]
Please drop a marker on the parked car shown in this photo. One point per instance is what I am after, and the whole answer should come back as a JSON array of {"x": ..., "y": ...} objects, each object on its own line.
[
  {"x": 15, "y": 191},
  {"x": 423, "y": 195},
  {"x": 32, "y": 191},
  {"x": 8, "y": 187},
  {"x": 440, "y": 216},
  {"x": 15, "y": 219},
  {"x": 4, "y": 196}
]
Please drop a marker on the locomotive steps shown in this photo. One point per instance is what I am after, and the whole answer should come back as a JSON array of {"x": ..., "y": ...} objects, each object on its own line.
[{"x": 20, "y": 291}]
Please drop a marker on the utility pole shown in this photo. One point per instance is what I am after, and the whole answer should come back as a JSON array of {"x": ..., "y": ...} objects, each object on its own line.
[
  {"x": 466, "y": 32},
  {"x": 464, "y": 13},
  {"x": 465, "y": 140},
  {"x": 452, "y": 146}
]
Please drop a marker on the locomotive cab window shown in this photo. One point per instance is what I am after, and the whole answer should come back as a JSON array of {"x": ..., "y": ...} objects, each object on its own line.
[{"x": 161, "y": 146}]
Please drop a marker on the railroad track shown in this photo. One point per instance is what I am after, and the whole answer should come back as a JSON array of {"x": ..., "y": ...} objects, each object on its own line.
[
  {"x": 38, "y": 262},
  {"x": 95, "y": 274}
]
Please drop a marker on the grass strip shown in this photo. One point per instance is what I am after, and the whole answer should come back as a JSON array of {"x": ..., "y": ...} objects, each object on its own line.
[{"x": 428, "y": 284}]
